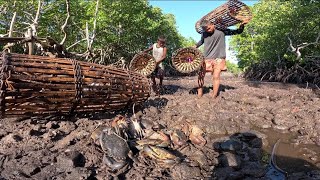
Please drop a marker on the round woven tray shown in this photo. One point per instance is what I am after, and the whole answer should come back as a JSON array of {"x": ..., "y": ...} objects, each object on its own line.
[
  {"x": 143, "y": 63},
  {"x": 187, "y": 60},
  {"x": 226, "y": 15}
]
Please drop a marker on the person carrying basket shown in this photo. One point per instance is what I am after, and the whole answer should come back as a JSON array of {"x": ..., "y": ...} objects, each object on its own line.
[
  {"x": 214, "y": 53},
  {"x": 159, "y": 52}
]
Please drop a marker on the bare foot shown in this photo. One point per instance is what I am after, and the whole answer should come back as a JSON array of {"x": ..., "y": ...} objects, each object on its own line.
[
  {"x": 213, "y": 96},
  {"x": 200, "y": 93}
]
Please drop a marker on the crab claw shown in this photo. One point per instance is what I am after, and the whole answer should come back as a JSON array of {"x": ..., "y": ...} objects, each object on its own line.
[{"x": 136, "y": 129}]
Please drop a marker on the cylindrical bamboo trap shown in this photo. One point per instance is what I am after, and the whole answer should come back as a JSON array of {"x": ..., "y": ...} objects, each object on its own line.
[
  {"x": 38, "y": 85},
  {"x": 143, "y": 63},
  {"x": 228, "y": 14},
  {"x": 187, "y": 60}
]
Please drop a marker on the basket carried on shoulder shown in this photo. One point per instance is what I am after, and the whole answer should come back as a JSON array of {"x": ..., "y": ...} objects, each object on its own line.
[
  {"x": 143, "y": 63},
  {"x": 228, "y": 14},
  {"x": 187, "y": 60}
]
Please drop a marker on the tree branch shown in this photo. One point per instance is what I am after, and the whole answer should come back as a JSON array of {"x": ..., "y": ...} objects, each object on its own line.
[
  {"x": 94, "y": 26},
  {"x": 301, "y": 46},
  {"x": 63, "y": 27},
  {"x": 76, "y": 43}
]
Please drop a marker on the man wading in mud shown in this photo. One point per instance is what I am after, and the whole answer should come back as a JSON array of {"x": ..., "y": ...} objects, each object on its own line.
[
  {"x": 214, "y": 53},
  {"x": 159, "y": 52}
]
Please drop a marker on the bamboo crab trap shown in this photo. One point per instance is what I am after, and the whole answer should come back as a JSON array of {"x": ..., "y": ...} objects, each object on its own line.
[
  {"x": 187, "y": 60},
  {"x": 228, "y": 14},
  {"x": 143, "y": 63},
  {"x": 36, "y": 85}
]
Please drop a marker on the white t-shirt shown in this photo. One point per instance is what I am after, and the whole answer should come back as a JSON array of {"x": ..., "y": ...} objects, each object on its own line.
[{"x": 157, "y": 53}]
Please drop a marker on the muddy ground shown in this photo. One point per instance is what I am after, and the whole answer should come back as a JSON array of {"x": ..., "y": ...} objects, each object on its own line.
[{"x": 241, "y": 127}]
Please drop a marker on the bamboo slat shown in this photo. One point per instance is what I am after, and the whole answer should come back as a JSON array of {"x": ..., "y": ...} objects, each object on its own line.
[
  {"x": 228, "y": 14},
  {"x": 36, "y": 85}
]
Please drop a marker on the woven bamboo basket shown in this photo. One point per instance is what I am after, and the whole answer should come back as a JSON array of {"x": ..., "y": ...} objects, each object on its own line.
[
  {"x": 187, "y": 60},
  {"x": 143, "y": 63},
  {"x": 228, "y": 14},
  {"x": 36, "y": 85}
]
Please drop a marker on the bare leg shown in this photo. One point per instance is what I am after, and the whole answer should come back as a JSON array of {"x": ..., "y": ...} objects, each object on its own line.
[
  {"x": 201, "y": 76},
  {"x": 161, "y": 79},
  {"x": 154, "y": 84},
  {"x": 216, "y": 81}
]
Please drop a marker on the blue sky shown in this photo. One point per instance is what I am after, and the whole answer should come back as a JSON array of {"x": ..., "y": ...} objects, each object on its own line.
[{"x": 187, "y": 13}]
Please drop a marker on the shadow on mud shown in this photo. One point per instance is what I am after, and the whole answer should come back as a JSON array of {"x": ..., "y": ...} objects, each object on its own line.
[
  {"x": 207, "y": 89},
  {"x": 159, "y": 102},
  {"x": 170, "y": 89},
  {"x": 241, "y": 156}
]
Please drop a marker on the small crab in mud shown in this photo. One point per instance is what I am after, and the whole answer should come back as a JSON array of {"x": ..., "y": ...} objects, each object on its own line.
[
  {"x": 163, "y": 157},
  {"x": 195, "y": 134},
  {"x": 116, "y": 149},
  {"x": 118, "y": 123},
  {"x": 159, "y": 139},
  {"x": 178, "y": 138}
]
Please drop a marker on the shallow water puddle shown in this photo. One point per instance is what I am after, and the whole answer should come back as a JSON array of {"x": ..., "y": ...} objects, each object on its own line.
[{"x": 292, "y": 157}]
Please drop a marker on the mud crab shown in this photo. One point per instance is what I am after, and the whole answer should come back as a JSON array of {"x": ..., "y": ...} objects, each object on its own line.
[
  {"x": 163, "y": 157},
  {"x": 154, "y": 138},
  {"x": 194, "y": 133},
  {"x": 178, "y": 138},
  {"x": 116, "y": 149}
]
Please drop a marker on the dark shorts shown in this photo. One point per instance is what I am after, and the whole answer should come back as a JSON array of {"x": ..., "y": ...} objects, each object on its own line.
[{"x": 158, "y": 72}]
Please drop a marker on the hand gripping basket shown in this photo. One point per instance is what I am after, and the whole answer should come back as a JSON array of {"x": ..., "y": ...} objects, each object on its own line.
[
  {"x": 143, "y": 63},
  {"x": 37, "y": 85},
  {"x": 228, "y": 14},
  {"x": 187, "y": 60}
]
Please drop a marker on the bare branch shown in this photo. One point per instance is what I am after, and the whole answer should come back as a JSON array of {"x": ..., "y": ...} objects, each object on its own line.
[
  {"x": 87, "y": 35},
  {"x": 76, "y": 43},
  {"x": 94, "y": 26},
  {"x": 63, "y": 27},
  {"x": 301, "y": 46},
  {"x": 36, "y": 19},
  {"x": 13, "y": 20}
]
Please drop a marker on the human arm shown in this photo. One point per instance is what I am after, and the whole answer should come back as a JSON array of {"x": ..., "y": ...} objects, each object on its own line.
[
  {"x": 149, "y": 49},
  {"x": 229, "y": 32},
  {"x": 200, "y": 42}
]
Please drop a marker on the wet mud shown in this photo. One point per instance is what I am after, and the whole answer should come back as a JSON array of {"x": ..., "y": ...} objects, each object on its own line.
[{"x": 241, "y": 126}]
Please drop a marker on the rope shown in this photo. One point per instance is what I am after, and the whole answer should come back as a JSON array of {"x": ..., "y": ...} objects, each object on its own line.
[
  {"x": 77, "y": 83},
  {"x": 4, "y": 84}
]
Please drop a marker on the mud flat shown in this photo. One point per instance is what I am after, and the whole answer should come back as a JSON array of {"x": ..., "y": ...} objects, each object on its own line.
[{"x": 241, "y": 127}]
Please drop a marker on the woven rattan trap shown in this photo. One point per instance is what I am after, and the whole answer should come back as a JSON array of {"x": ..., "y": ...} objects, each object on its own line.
[
  {"x": 143, "y": 63},
  {"x": 38, "y": 85},
  {"x": 228, "y": 14},
  {"x": 187, "y": 60}
]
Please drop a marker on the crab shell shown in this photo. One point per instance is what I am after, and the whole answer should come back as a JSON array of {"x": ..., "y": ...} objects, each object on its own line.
[
  {"x": 162, "y": 156},
  {"x": 113, "y": 145},
  {"x": 154, "y": 142},
  {"x": 95, "y": 135},
  {"x": 196, "y": 136},
  {"x": 154, "y": 138},
  {"x": 113, "y": 164},
  {"x": 178, "y": 137}
]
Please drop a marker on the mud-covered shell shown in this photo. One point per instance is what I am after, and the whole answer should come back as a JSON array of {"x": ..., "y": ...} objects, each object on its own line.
[
  {"x": 178, "y": 137},
  {"x": 113, "y": 145}
]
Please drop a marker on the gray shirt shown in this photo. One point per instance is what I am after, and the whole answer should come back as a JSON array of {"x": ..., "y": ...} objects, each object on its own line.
[{"x": 215, "y": 44}]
